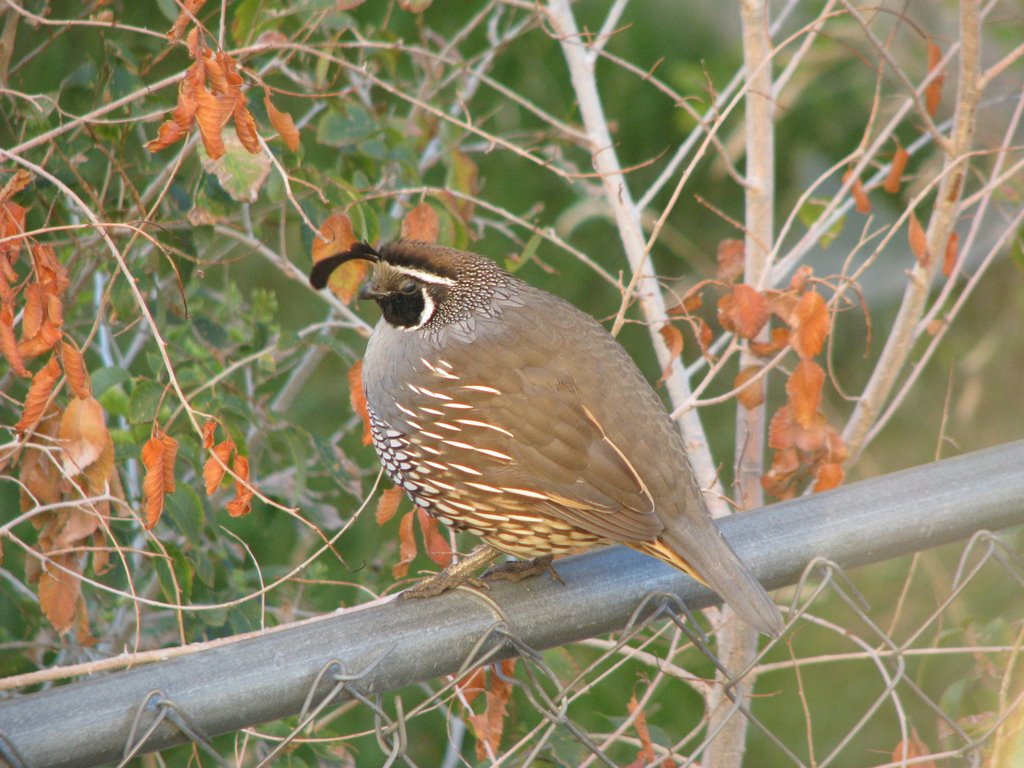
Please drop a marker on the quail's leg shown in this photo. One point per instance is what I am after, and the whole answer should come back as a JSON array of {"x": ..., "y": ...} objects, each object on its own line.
[
  {"x": 517, "y": 570},
  {"x": 462, "y": 572}
]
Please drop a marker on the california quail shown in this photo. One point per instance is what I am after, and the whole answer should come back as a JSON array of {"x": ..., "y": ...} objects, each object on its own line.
[{"x": 505, "y": 411}]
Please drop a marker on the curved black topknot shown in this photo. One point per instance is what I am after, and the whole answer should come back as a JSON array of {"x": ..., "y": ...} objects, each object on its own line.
[{"x": 321, "y": 272}]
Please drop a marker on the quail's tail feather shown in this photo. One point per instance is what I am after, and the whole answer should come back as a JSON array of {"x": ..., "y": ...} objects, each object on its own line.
[{"x": 710, "y": 560}]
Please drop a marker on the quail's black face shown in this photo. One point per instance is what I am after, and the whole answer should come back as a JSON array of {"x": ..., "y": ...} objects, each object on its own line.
[{"x": 407, "y": 298}]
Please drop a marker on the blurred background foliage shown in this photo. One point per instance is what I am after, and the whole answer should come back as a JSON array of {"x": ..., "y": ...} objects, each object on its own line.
[{"x": 381, "y": 97}]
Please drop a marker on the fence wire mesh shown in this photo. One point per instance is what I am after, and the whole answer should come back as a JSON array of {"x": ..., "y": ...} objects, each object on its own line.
[{"x": 935, "y": 678}]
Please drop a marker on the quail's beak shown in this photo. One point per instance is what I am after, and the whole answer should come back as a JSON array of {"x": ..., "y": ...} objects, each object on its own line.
[{"x": 369, "y": 291}]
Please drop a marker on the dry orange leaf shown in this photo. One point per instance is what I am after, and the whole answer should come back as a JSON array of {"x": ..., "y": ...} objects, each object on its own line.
[
  {"x": 804, "y": 391},
  {"x": 406, "y": 547},
  {"x": 646, "y": 755},
  {"x": 388, "y": 503},
  {"x": 743, "y": 311},
  {"x": 34, "y": 312},
  {"x": 211, "y": 116},
  {"x": 213, "y": 471},
  {"x": 777, "y": 341},
  {"x": 730, "y": 259},
  {"x": 749, "y": 395},
  {"x": 84, "y": 435},
  {"x": 59, "y": 590},
  {"x": 933, "y": 93},
  {"x": 188, "y": 11},
  {"x": 158, "y": 457},
  {"x": 358, "y": 398},
  {"x": 860, "y": 197},
  {"x": 779, "y": 479},
  {"x": 12, "y": 224},
  {"x": 241, "y": 505},
  {"x": 245, "y": 126},
  {"x": 39, "y": 470},
  {"x": 673, "y": 339},
  {"x": 827, "y": 477},
  {"x": 489, "y": 726},
  {"x": 912, "y": 749},
  {"x": 894, "y": 179},
  {"x": 780, "y": 430},
  {"x": 949, "y": 260},
  {"x": 436, "y": 543},
  {"x": 14, "y": 185},
  {"x": 39, "y": 392},
  {"x": 8, "y": 342},
  {"x": 809, "y": 325},
  {"x": 918, "y": 241},
  {"x": 337, "y": 236},
  {"x": 421, "y": 223},
  {"x": 282, "y": 123},
  {"x": 74, "y": 369},
  {"x": 473, "y": 684},
  {"x": 209, "y": 430}
]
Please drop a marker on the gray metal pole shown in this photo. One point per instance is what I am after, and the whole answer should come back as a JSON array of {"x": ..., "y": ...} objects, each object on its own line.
[{"x": 389, "y": 645}]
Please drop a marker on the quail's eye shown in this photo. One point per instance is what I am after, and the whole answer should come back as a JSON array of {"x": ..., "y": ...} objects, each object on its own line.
[{"x": 409, "y": 287}]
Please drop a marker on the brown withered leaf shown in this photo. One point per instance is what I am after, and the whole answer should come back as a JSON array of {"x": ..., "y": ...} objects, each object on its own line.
[
  {"x": 918, "y": 241},
  {"x": 463, "y": 176},
  {"x": 154, "y": 459},
  {"x": 801, "y": 277},
  {"x": 813, "y": 437},
  {"x": 933, "y": 93},
  {"x": 778, "y": 340},
  {"x": 421, "y": 223},
  {"x": 804, "y": 390},
  {"x": 59, "y": 590},
  {"x": 49, "y": 271},
  {"x": 860, "y": 197},
  {"x": 337, "y": 236},
  {"x": 188, "y": 11},
  {"x": 38, "y": 396},
  {"x": 894, "y": 178},
  {"x": 749, "y": 395},
  {"x": 780, "y": 478},
  {"x": 46, "y": 339},
  {"x": 730, "y": 260},
  {"x": 39, "y": 469},
  {"x": 84, "y": 435},
  {"x": 357, "y": 396},
  {"x": 406, "y": 547},
  {"x": 827, "y": 477},
  {"x": 743, "y": 311},
  {"x": 12, "y": 224},
  {"x": 245, "y": 127},
  {"x": 183, "y": 116},
  {"x": 436, "y": 543},
  {"x": 241, "y": 505},
  {"x": 693, "y": 300},
  {"x": 74, "y": 368},
  {"x": 780, "y": 430},
  {"x": 949, "y": 259},
  {"x": 77, "y": 526},
  {"x": 388, "y": 503},
  {"x": 647, "y": 755},
  {"x": 282, "y": 123},
  {"x": 213, "y": 470},
  {"x": 704, "y": 335},
  {"x": 18, "y": 181},
  {"x": 490, "y": 724},
  {"x": 209, "y": 432},
  {"x": 913, "y": 749},
  {"x": 673, "y": 339},
  {"x": 34, "y": 312},
  {"x": 9, "y": 343},
  {"x": 808, "y": 324},
  {"x": 211, "y": 116},
  {"x": 473, "y": 684}
]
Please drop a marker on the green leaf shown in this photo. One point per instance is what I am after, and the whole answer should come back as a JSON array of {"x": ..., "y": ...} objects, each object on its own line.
[
  {"x": 239, "y": 171},
  {"x": 185, "y": 508},
  {"x": 183, "y": 574},
  {"x": 809, "y": 214},
  {"x": 105, "y": 378},
  {"x": 210, "y": 331},
  {"x": 336, "y": 129},
  {"x": 145, "y": 399}
]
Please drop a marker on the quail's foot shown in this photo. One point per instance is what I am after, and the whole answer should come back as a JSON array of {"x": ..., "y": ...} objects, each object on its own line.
[
  {"x": 517, "y": 570},
  {"x": 456, "y": 574}
]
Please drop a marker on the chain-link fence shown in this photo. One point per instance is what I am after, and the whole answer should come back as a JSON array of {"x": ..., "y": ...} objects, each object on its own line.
[{"x": 931, "y": 674}]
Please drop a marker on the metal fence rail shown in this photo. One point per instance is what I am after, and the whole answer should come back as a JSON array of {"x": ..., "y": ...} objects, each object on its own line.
[{"x": 382, "y": 646}]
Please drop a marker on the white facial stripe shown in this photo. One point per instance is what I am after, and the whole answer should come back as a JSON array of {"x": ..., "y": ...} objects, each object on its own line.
[
  {"x": 424, "y": 277},
  {"x": 426, "y": 314}
]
